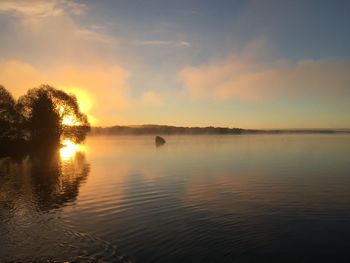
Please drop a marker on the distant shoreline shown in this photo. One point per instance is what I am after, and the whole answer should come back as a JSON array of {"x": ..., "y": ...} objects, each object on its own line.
[{"x": 210, "y": 130}]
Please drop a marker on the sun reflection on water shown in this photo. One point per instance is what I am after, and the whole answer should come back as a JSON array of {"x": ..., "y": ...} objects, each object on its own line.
[{"x": 69, "y": 149}]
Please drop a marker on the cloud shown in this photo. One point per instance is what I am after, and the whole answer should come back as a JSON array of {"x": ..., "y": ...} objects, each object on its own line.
[
  {"x": 249, "y": 76},
  {"x": 41, "y": 8},
  {"x": 94, "y": 34},
  {"x": 41, "y": 37},
  {"x": 159, "y": 43},
  {"x": 183, "y": 44}
]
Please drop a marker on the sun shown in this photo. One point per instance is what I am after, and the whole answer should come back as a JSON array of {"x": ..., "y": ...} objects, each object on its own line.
[
  {"x": 69, "y": 120},
  {"x": 86, "y": 103}
]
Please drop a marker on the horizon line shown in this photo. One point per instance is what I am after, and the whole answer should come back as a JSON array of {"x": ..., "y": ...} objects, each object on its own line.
[{"x": 226, "y": 127}]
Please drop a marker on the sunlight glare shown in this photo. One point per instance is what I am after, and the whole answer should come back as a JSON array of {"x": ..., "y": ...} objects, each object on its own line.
[
  {"x": 69, "y": 120},
  {"x": 84, "y": 98},
  {"x": 68, "y": 150}
]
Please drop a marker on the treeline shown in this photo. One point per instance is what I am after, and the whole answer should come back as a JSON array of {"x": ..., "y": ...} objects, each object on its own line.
[
  {"x": 166, "y": 130},
  {"x": 162, "y": 129},
  {"x": 35, "y": 120}
]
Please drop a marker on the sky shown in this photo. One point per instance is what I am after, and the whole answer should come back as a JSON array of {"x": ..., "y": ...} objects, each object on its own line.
[{"x": 249, "y": 64}]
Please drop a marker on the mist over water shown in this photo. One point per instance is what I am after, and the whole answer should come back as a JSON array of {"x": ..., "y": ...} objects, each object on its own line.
[{"x": 234, "y": 198}]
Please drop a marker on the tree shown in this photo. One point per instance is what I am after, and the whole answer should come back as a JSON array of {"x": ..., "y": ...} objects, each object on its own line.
[
  {"x": 37, "y": 120},
  {"x": 9, "y": 116},
  {"x": 44, "y": 110},
  {"x": 44, "y": 123}
]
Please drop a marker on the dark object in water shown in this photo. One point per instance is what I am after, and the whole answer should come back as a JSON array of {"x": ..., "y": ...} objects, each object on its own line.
[{"x": 159, "y": 141}]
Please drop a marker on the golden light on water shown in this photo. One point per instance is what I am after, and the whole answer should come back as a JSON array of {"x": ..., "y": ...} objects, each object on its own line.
[{"x": 69, "y": 149}]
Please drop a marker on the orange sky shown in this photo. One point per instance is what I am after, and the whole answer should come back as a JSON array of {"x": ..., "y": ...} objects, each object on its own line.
[{"x": 146, "y": 67}]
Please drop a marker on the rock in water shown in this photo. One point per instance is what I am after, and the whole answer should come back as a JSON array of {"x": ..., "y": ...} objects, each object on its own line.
[{"x": 159, "y": 141}]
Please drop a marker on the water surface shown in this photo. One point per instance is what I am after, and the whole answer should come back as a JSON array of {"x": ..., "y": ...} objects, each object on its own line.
[{"x": 236, "y": 198}]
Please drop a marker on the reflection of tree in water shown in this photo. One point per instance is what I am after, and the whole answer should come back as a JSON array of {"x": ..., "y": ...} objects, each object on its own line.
[
  {"x": 29, "y": 189},
  {"x": 56, "y": 182},
  {"x": 44, "y": 180}
]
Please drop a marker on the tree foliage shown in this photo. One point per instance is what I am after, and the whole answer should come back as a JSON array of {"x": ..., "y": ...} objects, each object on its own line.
[
  {"x": 38, "y": 116},
  {"x": 8, "y": 114}
]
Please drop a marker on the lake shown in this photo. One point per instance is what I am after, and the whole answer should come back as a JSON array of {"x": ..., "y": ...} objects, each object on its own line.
[{"x": 231, "y": 198}]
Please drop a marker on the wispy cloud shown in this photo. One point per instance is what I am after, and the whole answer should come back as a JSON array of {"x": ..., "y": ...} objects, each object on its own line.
[
  {"x": 52, "y": 34},
  {"x": 94, "y": 33},
  {"x": 159, "y": 43},
  {"x": 41, "y": 8}
]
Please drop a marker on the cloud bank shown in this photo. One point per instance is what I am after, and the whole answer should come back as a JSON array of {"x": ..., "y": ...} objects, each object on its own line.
[{"x": 247, "y": 77}]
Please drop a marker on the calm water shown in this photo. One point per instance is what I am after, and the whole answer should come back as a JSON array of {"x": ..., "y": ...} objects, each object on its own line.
[{"x": 261, "y": 198}]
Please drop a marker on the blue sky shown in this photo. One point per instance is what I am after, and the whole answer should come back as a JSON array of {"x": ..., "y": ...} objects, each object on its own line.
[{"x": 253, "y": 64}]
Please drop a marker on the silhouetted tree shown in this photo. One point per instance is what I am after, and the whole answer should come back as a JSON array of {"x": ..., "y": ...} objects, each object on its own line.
[
  {"x": 8, "y": 115},
  {"x": 12, "y": 135},
  {"x": 7, "y": 108},
  {"x": 44, "y": 110},
  {"x": 44, "y": 122}
]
